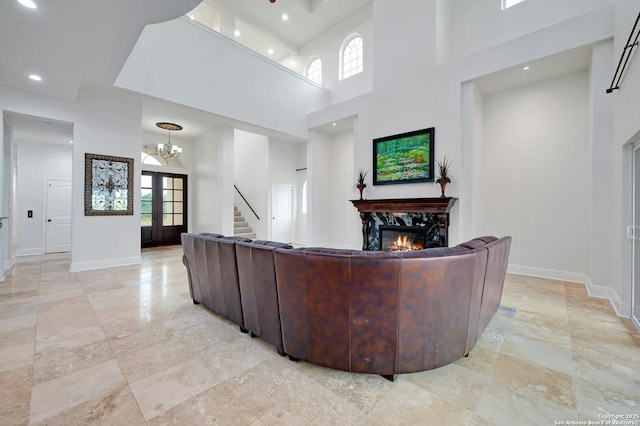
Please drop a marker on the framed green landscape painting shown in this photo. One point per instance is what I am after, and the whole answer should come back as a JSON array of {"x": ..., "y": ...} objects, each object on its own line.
[{"x": 404, "y": 158}]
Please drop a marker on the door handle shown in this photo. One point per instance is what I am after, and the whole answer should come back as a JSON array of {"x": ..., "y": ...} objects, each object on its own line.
[{"x": 48, "y": 220}]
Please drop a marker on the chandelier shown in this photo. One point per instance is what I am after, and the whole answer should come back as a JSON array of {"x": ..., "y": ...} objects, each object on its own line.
[{"x": 168, "y": 150}]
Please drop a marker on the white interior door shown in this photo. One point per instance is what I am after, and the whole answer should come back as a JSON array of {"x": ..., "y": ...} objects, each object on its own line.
[
  {"x": 58, "y": 218},
  {"x": 282, "y": 213}
]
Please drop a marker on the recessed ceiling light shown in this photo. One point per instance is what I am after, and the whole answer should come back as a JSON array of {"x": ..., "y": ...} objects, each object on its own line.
[
  {"x": 35, "y": 77},
  {"x": 70, "y": 141},
  {"x": 192, "y": 17},
  {"x": 526, "y": 68},
  {"x": 285, "y": 17},
  {"x": 333, "y": 124},
  {"x": 27, "y": 3},
  {"x": 270, "y": 51},
  {"x": 236, "y": 33}
]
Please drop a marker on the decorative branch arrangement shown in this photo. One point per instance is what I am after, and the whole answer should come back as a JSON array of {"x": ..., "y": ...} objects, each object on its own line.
[
  {"x": 360, "y": 181},
  {"x": 443, "y": 174}
]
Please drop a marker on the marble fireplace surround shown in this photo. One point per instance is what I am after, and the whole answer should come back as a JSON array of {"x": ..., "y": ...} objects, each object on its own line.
[{"x": 432, "y": 213}]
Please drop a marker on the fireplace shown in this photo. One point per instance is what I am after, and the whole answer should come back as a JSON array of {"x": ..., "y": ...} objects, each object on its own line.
[
  {"x": 432, "y": 214},
  {"x": 403, "y": 238}
]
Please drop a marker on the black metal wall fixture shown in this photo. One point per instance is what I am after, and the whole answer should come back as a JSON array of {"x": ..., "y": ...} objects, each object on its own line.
[{"x": 626, "y": 54}]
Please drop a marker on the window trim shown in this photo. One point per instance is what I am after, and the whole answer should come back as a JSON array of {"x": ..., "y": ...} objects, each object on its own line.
[
  {"x": 310, "y": 62},
  {"x": 345, "y": 44}
]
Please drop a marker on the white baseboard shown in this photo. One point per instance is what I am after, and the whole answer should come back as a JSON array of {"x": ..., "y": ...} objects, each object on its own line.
[
  {"x": 552, "y": 274},
  {"x": 602, "y": 292},
  {"x": 29, "y": 252},
  {"x": 104, "y": 263}
]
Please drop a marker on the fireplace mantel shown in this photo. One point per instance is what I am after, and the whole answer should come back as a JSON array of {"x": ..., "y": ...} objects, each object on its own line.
[{"x": 441, "y": 206}]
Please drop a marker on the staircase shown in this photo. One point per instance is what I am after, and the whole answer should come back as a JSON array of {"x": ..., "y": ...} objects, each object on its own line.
[{"x": 240, "y": 227}]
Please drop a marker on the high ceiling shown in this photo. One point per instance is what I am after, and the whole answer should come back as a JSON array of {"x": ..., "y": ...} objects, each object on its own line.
[
  {"x": 306, "y": 19},
  {"x": 68, "y": 42}
]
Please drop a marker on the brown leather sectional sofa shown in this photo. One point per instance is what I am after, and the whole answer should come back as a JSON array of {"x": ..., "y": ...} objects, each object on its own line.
[
  {"x": 258, "y": 287},
  {"x": 368, "y": 312},
  {"x": 212, "y": 273}
]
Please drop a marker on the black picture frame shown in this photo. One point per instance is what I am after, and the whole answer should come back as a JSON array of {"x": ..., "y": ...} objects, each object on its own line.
[
  {"x": 108, "y": 185},
  {"x": 404, "y": 158}
]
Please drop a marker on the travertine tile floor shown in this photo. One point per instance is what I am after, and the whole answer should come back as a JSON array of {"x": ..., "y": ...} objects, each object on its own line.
[{"x": 126, "y": 346}]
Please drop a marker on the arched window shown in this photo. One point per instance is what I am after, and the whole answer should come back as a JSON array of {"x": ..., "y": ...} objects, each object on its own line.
[
  {"x": 351, "y": 57},
  {"x": 314, "y": 70}
]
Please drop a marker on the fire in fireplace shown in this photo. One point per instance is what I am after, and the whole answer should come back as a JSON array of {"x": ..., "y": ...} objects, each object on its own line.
[{"x": 402, "y": 238}]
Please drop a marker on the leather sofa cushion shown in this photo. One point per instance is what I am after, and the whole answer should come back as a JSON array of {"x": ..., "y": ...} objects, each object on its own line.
[
  {"x": 477, "y": 242},
  {"x": 273, "y": 244},
  {"x": 345, "y": 252},
  {"x": 434, "y": 252},
  {"x": 243, "y": 239}
]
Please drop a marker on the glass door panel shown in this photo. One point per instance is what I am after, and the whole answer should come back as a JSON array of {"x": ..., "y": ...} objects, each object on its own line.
[
  {"x": 172, "y": 196},
  {"x": 146, "y": 211}
]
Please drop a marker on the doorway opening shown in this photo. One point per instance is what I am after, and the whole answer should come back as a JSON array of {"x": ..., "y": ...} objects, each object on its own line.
[{"x": 163, "y": 211}]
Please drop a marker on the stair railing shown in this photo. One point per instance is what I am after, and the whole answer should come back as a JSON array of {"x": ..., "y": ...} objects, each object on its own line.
[
  {"x": 247, "y": 203},
  {"x": 624, "y": 59}
]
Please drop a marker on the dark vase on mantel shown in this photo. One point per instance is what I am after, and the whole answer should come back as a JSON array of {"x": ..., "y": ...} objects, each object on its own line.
[
  {"x": 361, "y": 187},
  {"x": 443, "y": 185}
]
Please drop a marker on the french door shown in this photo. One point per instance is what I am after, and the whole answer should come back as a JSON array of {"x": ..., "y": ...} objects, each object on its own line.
[
  {"x": 163, "y": 212},
  {"x": 634, "y": 235}
]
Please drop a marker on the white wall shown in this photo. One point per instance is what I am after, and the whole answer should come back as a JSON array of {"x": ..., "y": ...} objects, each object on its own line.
[
  {"x": 626, "y": 130},
  {"x": 470, "y": 26},
  {"x": 536, "y": 169},
  {"x": 327, "y": 48},
  {"x": 331, "y": 180},
  {"x": 206, "y": 181},
  {"x": 6, "y": 257},
  {"x": 243, "y": 85},
  {"x": 342, "y": 175},
  {"x": 37, "y": 161},
  {"x": 107, "y": 122},
  {"x": 283, "y": 158},
  {"x": 411, "y": 92},
  {"x": 319, "y": 189},
  {"x": 604, "y": 261}
]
